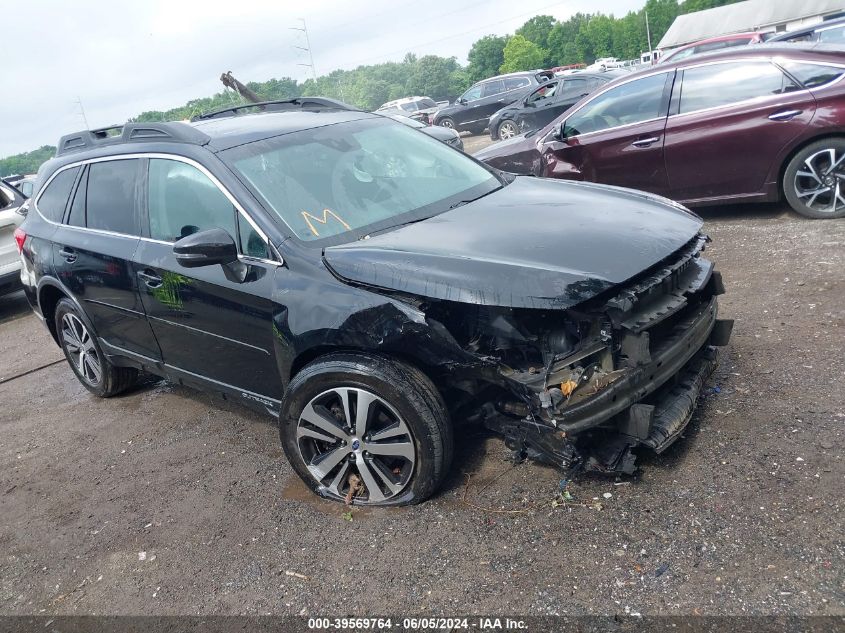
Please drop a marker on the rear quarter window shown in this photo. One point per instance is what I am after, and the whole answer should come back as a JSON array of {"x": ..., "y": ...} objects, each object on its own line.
[
  {"x": 52, "y": 202},
  {"x": 813, "y": 75}
]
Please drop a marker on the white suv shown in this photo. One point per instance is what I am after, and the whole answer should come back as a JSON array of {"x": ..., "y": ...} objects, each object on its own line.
[{"x": 10, "y": 262}]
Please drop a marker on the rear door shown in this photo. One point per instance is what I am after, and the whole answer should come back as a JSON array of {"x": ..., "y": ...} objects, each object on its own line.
[
  {"x": 213, "y": 322},
  {"x": 616, "y": 137},
  {"x": 729, "y": 124},
  {"x": 93, "y": 248}
]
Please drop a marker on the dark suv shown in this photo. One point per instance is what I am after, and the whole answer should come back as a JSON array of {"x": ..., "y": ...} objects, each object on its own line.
[
  {"x": 471, "y": 111},
  {"x": 369, "y": 285}
]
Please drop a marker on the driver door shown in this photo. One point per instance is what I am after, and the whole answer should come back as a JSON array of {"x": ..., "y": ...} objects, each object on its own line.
[
  {"x": 213, "y": 322},
  {"x": 616, "y": 138}
]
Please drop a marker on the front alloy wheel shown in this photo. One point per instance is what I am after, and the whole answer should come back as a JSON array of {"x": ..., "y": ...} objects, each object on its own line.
[
  {"x": 366, "y": 429},
  {"x": 814, "y": 181},
  {"x": 348, "y": 437},
  {"x": 507, "y": 129}
]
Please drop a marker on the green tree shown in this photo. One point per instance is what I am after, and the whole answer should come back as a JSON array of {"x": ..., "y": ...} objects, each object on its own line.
[
  {"x": 486, "y": 57},
  {"x": 27, "y": 162},
  {"x": 520, "y": 54},
  {"x": 537, "y": 30},
  {"x": 431, "y": 77}
]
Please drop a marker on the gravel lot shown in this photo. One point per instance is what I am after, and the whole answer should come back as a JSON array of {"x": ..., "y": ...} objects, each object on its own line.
[{"x": 168, "y": 501}]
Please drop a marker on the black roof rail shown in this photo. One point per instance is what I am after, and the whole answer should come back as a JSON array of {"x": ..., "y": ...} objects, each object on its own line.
[
  {"x": 301, "y": 103},
  {"x": 130, "y": 133}
]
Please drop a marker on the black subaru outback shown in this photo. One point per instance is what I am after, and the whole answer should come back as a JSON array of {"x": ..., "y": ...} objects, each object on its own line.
[{"x": 371, "y": 287}]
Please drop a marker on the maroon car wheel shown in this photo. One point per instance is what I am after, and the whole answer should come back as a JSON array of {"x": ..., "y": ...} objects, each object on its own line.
[{"x": 814, "y": 180}]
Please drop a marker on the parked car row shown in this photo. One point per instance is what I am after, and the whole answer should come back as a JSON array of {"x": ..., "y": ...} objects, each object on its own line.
[
  {"x": 749, "y": 124},
  {"x": 472, "y": 110},
  {"x": 543, "y": 104}
]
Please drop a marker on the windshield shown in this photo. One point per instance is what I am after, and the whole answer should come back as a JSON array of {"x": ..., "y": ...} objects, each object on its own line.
[{"x": 340, "y": 182}]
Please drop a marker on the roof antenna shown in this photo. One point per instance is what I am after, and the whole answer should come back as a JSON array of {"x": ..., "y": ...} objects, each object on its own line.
[{"x": 82, "y": 110}]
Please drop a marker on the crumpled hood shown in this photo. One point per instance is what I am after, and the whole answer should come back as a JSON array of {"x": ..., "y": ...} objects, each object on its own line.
[{"x": 533, "y": 244}]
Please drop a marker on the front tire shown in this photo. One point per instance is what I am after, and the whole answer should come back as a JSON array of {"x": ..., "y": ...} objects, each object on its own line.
[
  {"x": 446, "y": 122},
  {"x": 814, "y": 180},
  {"x": 507, "y": 129},
  {"x": 366, "y": 429},
  {"x": 82, "y": 351}
]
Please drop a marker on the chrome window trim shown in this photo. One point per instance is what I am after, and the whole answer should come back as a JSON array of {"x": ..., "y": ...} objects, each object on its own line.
[
  {"x": 600, "y": 92},
  {"x": 164, "y": 156}
]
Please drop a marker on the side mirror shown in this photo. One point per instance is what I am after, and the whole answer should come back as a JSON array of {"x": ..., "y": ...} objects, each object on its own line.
[
  {"x": 462, "y": 101},
  {"x": 560, "y": 132},
  {"x": 206, "y": 248}
]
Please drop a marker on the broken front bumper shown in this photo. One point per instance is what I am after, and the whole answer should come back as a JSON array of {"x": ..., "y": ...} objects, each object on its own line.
[{"x": 649, "y": 405}]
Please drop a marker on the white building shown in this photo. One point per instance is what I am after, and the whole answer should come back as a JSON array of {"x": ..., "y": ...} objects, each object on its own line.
[{"x": 751, "y": 15}]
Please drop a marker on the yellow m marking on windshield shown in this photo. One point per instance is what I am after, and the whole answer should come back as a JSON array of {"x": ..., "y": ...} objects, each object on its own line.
[{"x": 326, "y": 213}]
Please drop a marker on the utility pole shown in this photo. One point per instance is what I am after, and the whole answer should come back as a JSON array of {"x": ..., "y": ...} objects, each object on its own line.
[
  {"x": 307, "y": 47},
  {"x": 648, "y": 36},
  {"x": 82, "y": 110}
]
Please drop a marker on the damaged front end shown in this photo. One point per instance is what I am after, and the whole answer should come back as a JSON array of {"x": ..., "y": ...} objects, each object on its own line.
[{"x": 583, "y": 386}]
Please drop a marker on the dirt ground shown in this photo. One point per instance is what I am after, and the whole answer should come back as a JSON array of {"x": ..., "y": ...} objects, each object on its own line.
[{"x": 168, "y": 501}]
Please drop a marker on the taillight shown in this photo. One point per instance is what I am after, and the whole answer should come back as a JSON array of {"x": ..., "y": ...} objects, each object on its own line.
[{"x": 20, "y": 238}]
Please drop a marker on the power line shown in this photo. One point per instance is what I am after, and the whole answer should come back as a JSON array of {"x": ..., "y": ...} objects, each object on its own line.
[
  {"x": 82, "y": 110},
  {"x": 304, "y": 29},
  {"x": 449, "y": 37}
]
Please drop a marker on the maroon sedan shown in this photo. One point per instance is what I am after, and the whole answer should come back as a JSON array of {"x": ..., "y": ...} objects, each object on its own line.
[{"x": 745, "y": 125}]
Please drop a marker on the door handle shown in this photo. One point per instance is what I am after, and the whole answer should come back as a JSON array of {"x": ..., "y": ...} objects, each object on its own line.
[
  {"x": 645, "y": 142},
  {"x": 785, "y": 115},
  {"x": 68, "y": 253},
  {"x": 151, "y": 279}
]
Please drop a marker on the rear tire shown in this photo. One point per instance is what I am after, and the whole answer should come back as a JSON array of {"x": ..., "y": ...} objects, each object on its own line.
[
  {"x": 400, "y": 451},
  {"x": 814, "y": 180},
  {"x": 84, "y": 355}
]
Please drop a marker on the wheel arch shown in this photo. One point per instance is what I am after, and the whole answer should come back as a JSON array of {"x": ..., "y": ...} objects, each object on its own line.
[
  {"x": 50, "y": 292},
  {"x": 315, "y": 353}
]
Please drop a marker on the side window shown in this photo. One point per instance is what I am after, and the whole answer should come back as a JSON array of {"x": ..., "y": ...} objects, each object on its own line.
[
  {"x": 724, "y": 84},
  {"x": 111, "y": 196},
  {"x": 52, "y": 202},
  {"x": 182, "y": 201},
  {"x": 813, "y": 75},
  {"x": 633, "y": 102},
  {"x": 493, "y": 88},
  {"x": 472, "y": 94},
  {"x": 77, "y": 207},
  {"x": 515, "y": 83},
  {"x": 574, "y": 88},
  {"x": 543, "y": 94},
  {"x": 834, "y": 35},
  {"x": 26, "y": 188},
  {"x": 252, "y": 243}
]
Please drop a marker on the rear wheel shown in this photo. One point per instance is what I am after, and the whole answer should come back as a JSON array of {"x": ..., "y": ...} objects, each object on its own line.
[
  {"x": 83, "y": 353},
  {"x": 507, "y": 129},
  {"x": 814, "y": 180},
  {"x": 366, "y": 429}
]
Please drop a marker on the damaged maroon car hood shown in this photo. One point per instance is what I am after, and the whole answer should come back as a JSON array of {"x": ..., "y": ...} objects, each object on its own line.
[{"x": 533, "y": 244}]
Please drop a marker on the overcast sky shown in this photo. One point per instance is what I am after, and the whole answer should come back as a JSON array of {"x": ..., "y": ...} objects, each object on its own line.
[{"x": 121, "y": 58}]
